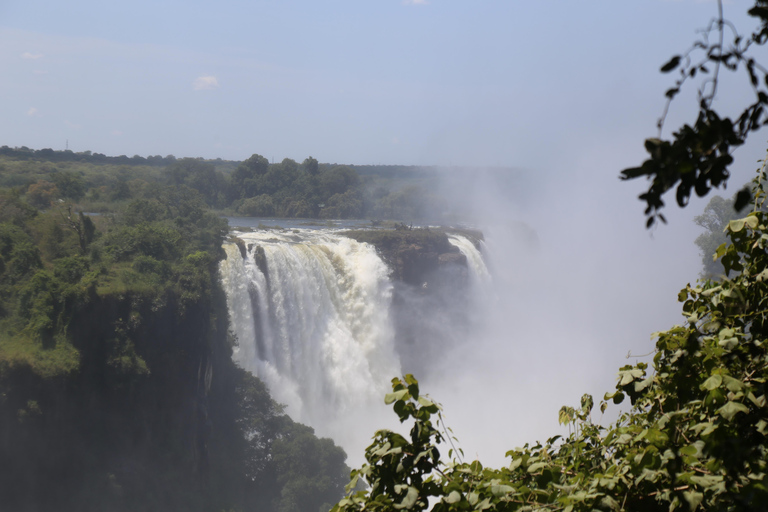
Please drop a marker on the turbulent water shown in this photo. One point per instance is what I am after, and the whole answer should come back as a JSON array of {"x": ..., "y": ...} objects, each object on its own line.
[{"x": 313, "y": 315}]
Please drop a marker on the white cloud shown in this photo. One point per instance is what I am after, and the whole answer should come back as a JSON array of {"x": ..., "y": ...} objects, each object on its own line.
[
  {"x": 117, "y": 133},
  {"x": 205, "y": 83},
  {"x": 415, "y": 2},
  {"x": 74, "y": 126},
  {"x": 33, "y": 56},
  {"x": 33, "y": 112}
]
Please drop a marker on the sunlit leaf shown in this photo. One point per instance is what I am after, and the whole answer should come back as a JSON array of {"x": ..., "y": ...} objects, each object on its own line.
[{"x": 731, "y": 409}]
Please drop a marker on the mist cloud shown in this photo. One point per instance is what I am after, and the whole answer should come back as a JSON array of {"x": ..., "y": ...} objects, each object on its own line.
[
  {"x": 33, "y": 112},
  {"x": 205, "y": 83},
  {"x": 33, "y": 56}
]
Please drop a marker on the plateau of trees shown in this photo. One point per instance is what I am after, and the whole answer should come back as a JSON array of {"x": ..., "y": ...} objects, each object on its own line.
[{"x": 253, "y": 187}]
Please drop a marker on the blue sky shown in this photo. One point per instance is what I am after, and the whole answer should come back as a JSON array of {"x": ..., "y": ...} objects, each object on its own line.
[{"x": 378, "y": 81}]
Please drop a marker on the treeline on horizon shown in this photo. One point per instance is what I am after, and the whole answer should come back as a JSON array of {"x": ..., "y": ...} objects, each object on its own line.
[{"x": 254, "y": 187}]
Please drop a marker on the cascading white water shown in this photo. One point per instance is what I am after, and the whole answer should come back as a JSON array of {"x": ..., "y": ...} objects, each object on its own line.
[
  {"x": 478, "y": 270},
  {"x": 316, "y": 328}
]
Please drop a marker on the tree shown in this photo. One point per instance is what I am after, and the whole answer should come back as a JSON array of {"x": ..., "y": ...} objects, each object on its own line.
[
  {"x": 82, "y": 225},
  {"x": 42, "y": 193},
  {"x": 338, "y": 180},
  {"x": 310, "y": 472},
  {"x": 259, "y": 206},
  {"x": 343, "y": 206},
  {"x": 70, "y": 185},
  {"x": 310, "y": 166},
  {"x": 698, "y": 156},
  {"x": 198, "y": 175},
  {"x": 714, "y": 219},
  {"x": 244, "y": 179}
]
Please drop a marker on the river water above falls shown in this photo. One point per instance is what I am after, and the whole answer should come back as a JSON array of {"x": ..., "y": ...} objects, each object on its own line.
[{"x": 319, "y": 320}]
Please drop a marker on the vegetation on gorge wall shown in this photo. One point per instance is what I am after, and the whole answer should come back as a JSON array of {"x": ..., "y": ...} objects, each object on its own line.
[{"x": 117, "y": 387}]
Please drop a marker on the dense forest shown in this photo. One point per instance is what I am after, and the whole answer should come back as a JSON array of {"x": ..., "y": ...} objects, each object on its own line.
[
  {"x": 117, "y": 386},
  {"x": 254, "y": 187}
]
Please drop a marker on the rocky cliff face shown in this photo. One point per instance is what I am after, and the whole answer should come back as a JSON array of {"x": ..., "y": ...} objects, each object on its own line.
[
  {"x": 414, "y": 255},
  {"x": 131, "y": 427},
  {"x": 430, "y": 303}
]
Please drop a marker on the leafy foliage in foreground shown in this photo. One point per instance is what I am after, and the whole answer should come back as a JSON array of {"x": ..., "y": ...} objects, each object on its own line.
[
  {"x": 698, "y": 156},
  {"x": 696, "y": 436},
  {"x": 714, "y": 219}
]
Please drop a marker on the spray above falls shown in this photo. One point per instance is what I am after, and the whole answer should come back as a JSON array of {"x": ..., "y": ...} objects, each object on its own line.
[{"x": 321, "y": 320}]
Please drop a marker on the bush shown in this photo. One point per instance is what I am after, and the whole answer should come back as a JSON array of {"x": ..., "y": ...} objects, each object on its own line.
[{"x": 259, "y": 206}]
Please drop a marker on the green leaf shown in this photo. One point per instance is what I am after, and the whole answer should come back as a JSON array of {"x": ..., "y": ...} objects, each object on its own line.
[
  {"x": 484, "y": 505},
  {"x": 453, "y": 497},
  {"x": 706, "y": 480},
  {"x": 656, "y": 437},
  {"x": 693, "y": 498},
  {"x": 429, "y": 405},
  {"x": 608, "y": 502},
  {"x": 736, "y": 225},
  {"x": 410, "y": 499},
  {"x": 712, "y": 383},
  {"x": 731, "y": 409},
  {"x": 758, "y": 401},
  {"x": 743, "y": 198},
  {"x": 627, "y": 376},
  {"x": 671, "y": 64},
  {"x": 732, "y": 384},
  {"x": 397, "y": 395},
  {"x": 641, "y": 385},
  {"x": 566, "y": 415},
  {"x": 501, "y": 490},
  {"x": 688, "y": 450}
]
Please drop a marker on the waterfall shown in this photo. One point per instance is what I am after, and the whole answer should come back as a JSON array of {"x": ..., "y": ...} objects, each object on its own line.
[
  {"x": 316, "y": 326},
  {"x": 319, "y": 320},
  {"x": 478, "y": 271}
]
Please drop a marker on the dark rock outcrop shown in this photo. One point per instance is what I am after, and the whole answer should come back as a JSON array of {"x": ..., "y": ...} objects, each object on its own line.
[
  {"x": 430, "y": 301},
  {"x": 413, "y": 255}
]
